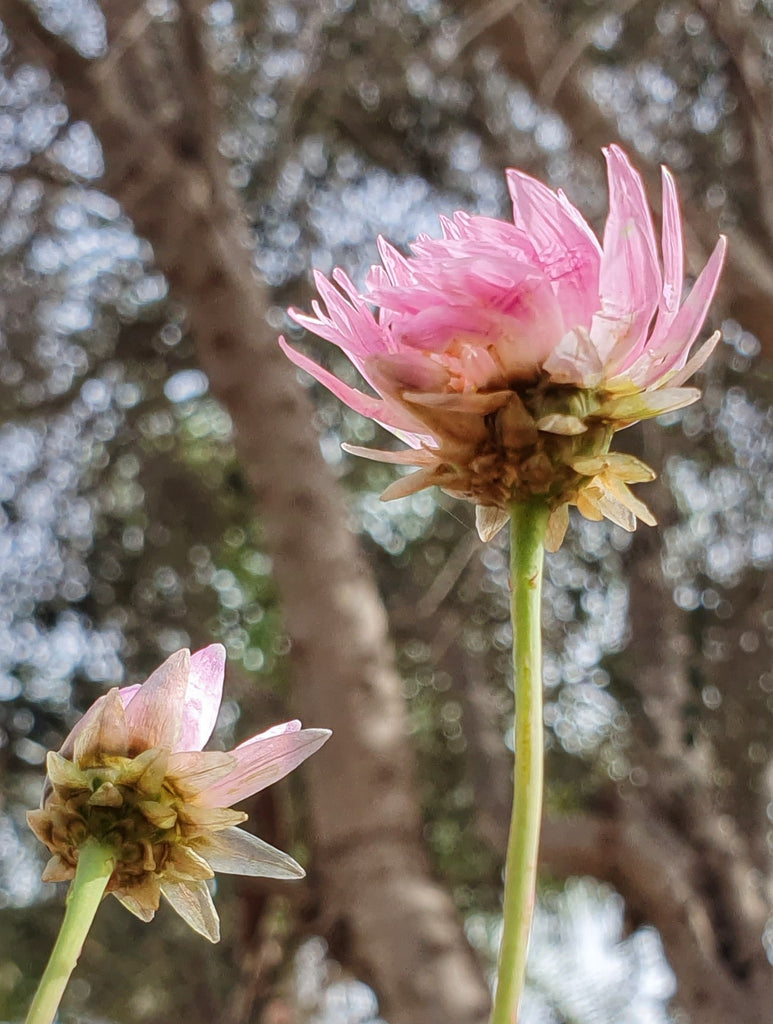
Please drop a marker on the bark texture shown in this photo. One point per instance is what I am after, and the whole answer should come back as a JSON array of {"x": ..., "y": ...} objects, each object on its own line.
[{"x": 150, "y": 101}]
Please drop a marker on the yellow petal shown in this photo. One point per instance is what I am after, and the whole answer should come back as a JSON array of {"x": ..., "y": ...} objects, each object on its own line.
[
  {"x": 626, "y": 496},
  {"x": 107, "y": 795},
  {"x": 200, "y": 820},
  {"x": 160, "y": 815},
  {"x": 632, "y": 408},
  {"x": 629, "y": 468},
  {"x": 185, "y": 864},
  {"x": 589, "y": 465},
  {"x": 64, "y": 773},
  {"x": 588, "y": 506},
  {"x": 613, "y": 509},
  {"x": 146, "y": 771}
]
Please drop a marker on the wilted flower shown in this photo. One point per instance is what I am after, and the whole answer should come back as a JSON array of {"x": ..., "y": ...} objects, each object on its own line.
[
  {"x": 132, "y": 776},
  {"x": 507, "y": 355}
]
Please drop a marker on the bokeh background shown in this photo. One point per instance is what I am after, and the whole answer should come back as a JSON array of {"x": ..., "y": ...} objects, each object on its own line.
[{"x": 170, "y": 172}]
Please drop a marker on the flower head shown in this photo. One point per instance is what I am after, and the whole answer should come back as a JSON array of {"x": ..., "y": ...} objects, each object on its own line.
[
  {"x": 132, "y": 775},
  {"x": 506, "y": 355}
]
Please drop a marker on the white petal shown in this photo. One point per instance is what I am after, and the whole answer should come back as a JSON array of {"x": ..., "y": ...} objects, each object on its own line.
[
  {"x": 575, "y": 360},
  {"x": 193, "y": 903},
  {"x": 559, "y": 423},
  {"x": 489, "y": 520},
  {"x": 695, "y": 363},
  {"x": 558, "y": 523},
  {"x": 135, "y": 908},
  {"x": 236, "y": 852}
]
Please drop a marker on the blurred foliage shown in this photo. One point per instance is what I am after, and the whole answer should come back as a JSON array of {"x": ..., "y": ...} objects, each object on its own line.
[{"x": 126, "y": 528}]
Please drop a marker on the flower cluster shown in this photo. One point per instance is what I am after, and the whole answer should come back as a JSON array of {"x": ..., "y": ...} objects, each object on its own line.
[
  {"x": 132, "y": 776},
  {"x": 506, "y": 356}
]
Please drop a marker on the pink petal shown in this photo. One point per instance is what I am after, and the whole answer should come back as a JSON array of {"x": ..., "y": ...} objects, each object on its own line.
[
  {"x": 397, "y": 267},
  {"x": 202, "y": 697},
  {"x": 673, "y": 277},
  {"x": 262, "y": 760},
  {"x": 348, "y": 321},
  {"x": 128, "y": 692},
  {"x": 672, "y": 244},
  {"x": 155, "y": 712},
  {"x": 630, "y": 282},
  {"x": 564, "y": 245},
  {"x": 373, "y": 408},
  {"x": 672, "y": 352},
  {"x": 275, "y": 730},
  {"x": 403, "y": 457}
]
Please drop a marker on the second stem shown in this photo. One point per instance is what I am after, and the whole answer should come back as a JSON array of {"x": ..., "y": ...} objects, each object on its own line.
[
  {"x": 528, "y": 524},
  {"x": 95, "y": 866}
]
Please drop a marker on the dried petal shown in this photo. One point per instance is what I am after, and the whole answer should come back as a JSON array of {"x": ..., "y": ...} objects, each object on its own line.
[
  {"x": 558, "y": 524},
  {"x": 157, "y": 814},
  {"x": 194, "y": 771},
  {"x": 489, "y": 521},
  {"x": 107, "y": 795},
  {"x": 57, "y": 870},
  {"x": 200, "y": 820},
  {"x": 142, "y": 898},
  {"x": 105, "y": 732},
  {"x": 186, "y": 864}
]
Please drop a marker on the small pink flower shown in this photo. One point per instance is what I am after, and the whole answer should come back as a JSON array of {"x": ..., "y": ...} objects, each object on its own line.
[
  {"x": 132, "y": 775},
  {"x": 502, "y": 352}
]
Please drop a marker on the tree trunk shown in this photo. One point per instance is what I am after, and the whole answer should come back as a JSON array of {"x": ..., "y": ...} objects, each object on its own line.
[{"x": 150, "y": 103}]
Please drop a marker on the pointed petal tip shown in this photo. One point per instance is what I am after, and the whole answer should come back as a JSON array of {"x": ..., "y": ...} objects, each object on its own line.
[
  {"x": 213, "y": 652},
  {"x": 489, "y": 520},
  {"x": 236, "y": 852},
  {"x": 193, "y": 902}
]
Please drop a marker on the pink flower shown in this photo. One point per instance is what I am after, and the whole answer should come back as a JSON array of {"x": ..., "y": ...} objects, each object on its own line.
[
  {"x": 502, "y": 352},
  {"x": 132, "y": 775}
]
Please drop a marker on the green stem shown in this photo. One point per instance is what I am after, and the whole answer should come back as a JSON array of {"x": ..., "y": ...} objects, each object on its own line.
[
  {"x": 95, "y": 866},
  {"x": 528, "y": 524}
]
